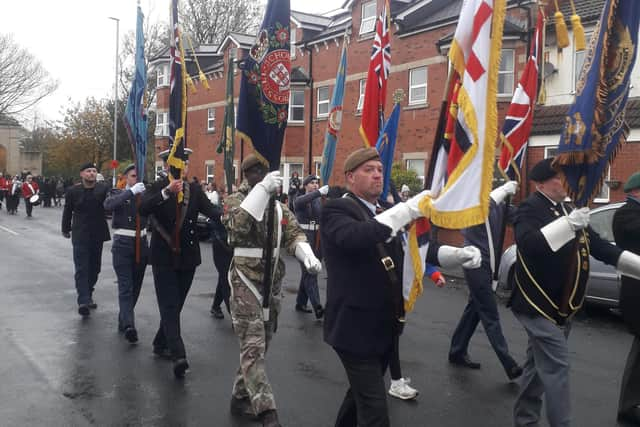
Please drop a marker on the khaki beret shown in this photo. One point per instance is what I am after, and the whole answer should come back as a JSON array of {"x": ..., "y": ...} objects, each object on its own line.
[
  {"x": 360, "y": 156},
  {"x": 250, "y": 161},
  {"x": 632, "y": 183}
]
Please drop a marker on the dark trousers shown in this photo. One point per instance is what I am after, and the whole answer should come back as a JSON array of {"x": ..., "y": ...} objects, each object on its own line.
[
  {"x": 130, "y": 276},
  {"x": 394, "y": 359},
  {"x": 365, "y": 403},
  {"x": 87, "y": 259},
  {"x": 172, "y": 287},
  {"x": 222, "y": 259},
  {"x": 630, "y": 389},
  {"x": 28, "y": 206},
  {"x": 481, "y": 307},
  {"x": 12, "y": 203},
  {"x": 308, "y": 289}
]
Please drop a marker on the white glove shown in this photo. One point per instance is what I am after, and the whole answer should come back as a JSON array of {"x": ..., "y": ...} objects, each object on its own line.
[
  {"x": 271, "y": 182},
  {"x": 137, "y": 188},
  {"x": 324, "y": 190},
  {"x": 305, "y": 255},
  {"x": 468, "y": 257},
  {"x": 403, "y": 213},
  {"x": 629, "y": 264},
  {"x": 415, "y": 200},
  {"x": 579, "y": 219},
  {"x": 508, "y": 189}
]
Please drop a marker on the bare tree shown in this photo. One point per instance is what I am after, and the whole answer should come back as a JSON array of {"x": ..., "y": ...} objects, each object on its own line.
[
  {"x": 209, "y": 21},
  {"x": 23, "y": 79}
]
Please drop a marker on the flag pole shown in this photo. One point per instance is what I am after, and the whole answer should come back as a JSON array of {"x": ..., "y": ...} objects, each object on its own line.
[{"x": 442, "y": 123}]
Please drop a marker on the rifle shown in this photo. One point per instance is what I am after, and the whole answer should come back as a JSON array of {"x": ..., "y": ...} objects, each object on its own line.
[{"x": 267, "y": 255}]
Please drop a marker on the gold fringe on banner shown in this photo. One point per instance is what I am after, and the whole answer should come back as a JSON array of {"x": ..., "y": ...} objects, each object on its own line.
[{"x": 578, "y": 30}]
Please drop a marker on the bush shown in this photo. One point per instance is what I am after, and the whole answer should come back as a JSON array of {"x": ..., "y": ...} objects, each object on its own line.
[{"x": 401, "y": 176}]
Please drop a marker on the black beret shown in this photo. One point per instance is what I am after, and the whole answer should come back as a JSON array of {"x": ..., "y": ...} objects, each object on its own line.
[
  {"x": 128, "y": 168},
  {"x": 164, "y": 155},
  {"x": 360, "y": 156},
  {"x": 88, "y": 165},
  {"x": 309, "y": 178},
  {"x": 543, "y": 170},
  {"x": 250, "y": 161},
  {"x": 632, "y": 183}
]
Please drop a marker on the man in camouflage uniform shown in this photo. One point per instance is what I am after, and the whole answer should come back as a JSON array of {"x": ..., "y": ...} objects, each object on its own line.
[{"x": 245, "y": 219}]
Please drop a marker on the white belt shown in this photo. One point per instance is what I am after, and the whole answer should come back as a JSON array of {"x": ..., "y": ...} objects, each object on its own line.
[
  {"x": 310, "y": 227},
  {"x": 128, "y": 233},
  {"x": 251, "y": 252}
]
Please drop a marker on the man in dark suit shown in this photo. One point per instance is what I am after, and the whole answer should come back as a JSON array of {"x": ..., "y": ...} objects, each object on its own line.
[
  {"x": 626, "y": 230},
  {"x": 554, "y": 242},
  {"x": 84, "y": 222},
  {"x": 175, "y": 254},
  {"x": 364, "y": 310}
]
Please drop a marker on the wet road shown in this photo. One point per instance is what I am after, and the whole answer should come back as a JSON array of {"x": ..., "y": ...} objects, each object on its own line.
[{"x": 60, "y": 370}]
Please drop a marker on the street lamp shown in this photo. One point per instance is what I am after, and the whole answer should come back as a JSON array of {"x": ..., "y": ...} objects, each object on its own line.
[{"x": 115, "y": 101}]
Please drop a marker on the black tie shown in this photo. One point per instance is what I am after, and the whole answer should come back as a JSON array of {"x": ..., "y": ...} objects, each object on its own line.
[{"x": 379, "y": 209}]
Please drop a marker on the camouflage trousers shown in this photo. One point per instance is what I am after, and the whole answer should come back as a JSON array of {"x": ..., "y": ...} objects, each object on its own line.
[{"x": 254, "y": 335}]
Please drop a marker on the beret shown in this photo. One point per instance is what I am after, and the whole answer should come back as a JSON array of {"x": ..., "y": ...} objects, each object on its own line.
[
  {"x": 88, "y": 165},
  {"x": 360, "y": 156},
  {"x": 164, "y": 155},
  {"x": 543, "y": 170},
  {"x": 632, "y": 183},
  {"x": 310, "y": 178},
  {"x": 250, "y": 161},
  {"x": 128, "y": 168}
]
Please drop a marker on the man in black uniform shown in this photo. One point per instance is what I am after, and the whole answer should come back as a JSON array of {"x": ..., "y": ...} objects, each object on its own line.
[
  {"x": 365, "y": 310},
  {"x": 626, "y": 230},
  {"x": 84, "y": 222},
  {"x": 308, "y": 207},
  {"x": 554, "y": 242},
  {"x": 175, "y": 254},
  {"x": 129, "y": 271}
]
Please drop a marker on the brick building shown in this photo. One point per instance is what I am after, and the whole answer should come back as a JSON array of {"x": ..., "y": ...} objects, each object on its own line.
[{"x": 421, "y": 34}]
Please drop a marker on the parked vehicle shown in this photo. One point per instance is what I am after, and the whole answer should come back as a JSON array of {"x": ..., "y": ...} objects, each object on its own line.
[{"x": 603, "y": 286}]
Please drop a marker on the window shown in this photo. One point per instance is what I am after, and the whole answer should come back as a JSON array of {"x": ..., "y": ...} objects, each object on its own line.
[
  {"x": 316, "y": 167},
  {"x": 211, "y": 119},
  {"x": 603, "y": 195},
  {"x": 418, "y": 86},
  {"x": 602, "y": 222},
  {"x": 292, "y": 41},
  {"x": 368, "y": 20},
  {"x": 296, "y": 106},
  {"x": 506, "y": 73},
  {"x": 323, "y": 101},
  {"x": 286, "y": 170},
  {"x": 416, "y": 165},
  {"x": 163, "y": 75},
  {"x": 363, "y": 85},
  {"x": 209, "y": 167},
  {"x": 578, "y": 62},
  {"x": 162, "y": 124}
]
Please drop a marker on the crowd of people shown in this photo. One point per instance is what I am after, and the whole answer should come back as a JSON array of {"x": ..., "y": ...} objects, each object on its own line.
[{"x": 358, "y": 236}]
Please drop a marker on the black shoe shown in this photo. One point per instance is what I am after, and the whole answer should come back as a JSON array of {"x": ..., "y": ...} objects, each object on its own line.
[
  {"x": 162, "y": 353},
  {"x": 92, "y": 305},
  {"x": 630, "y": 417},
  {"x": 242, "y": 408},
  {"x": 217, "y": 312},
  {"x": 514, "y": 372},
  {"x": 303, "y": 309},
  {"x": 180, "y": 366},
  {"x": 83, "y": 310},
  {"x": 269, "y": 418},
  {"x": 131, "y": 334},
  {"x": 464, "y": 361},
  {"x": 319, "y": 311}
]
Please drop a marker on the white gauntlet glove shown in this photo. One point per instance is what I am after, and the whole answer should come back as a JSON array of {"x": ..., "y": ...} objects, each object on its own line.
[
  {"x": 629, "y": 264},
  {"x": 324, "y": 190},
  {"x": 508, "y": 189},
  {"x": 468, "y": 257},
  {"x": 403, "y": 213},
  {"x": 256, "y": 201},
  {"x": 563, "y": 229},
  {"x": 579, "y": 219},
  {"x": 305, "y": 255},
  {"x": 138, "y": 188}
]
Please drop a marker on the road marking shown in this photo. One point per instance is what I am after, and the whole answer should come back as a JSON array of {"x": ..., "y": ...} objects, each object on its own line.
[{"x": 9, "y": 231}]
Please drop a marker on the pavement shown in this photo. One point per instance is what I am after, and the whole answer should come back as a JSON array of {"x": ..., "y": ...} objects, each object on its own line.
[{"x": 61, "y": 370}]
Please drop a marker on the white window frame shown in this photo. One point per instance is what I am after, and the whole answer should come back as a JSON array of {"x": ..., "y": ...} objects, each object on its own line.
[
  {"x": 605, "y": 192},
  {"x": 502, "y": 72},
  {"x": 162, "y": 124},
  {"x": 407, "y": 166},
  {"x": 286, "y": 171},
  {"x": 322, "y": 103},
  {"x": 162, "y": 75},
  {"x": 317, "y": 165},
  {"x": 576, "y": 70},
  {"x": 292, "y": 43},
  {"x": 292, "y": 105},
  {"x": 361, "y": 90},
  {"x": 209, "y": 176},
  {"x": 412, "y": 99},
  {"x": 365, "y": 21},
  {"x": 211, "y": 119},
  {"x": 550, "y": 151}
]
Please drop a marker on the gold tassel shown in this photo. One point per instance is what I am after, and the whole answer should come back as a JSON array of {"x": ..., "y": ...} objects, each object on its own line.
[
  {"x": 578, "y": 30},
  {"x": 203, "y": 80},
  {"x": 542, "y": 94},
  {"x": 562, "y": 33},
  {"x": 192, "y": 86}
]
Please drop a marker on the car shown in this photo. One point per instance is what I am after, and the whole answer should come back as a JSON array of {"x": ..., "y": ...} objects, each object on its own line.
[{"x": 603, "y": 285}]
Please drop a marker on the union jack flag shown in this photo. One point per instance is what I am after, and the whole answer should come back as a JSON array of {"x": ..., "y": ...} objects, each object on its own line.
[
  {"x": 519, "y": 119},
  {"x": 375, "y": 95}
]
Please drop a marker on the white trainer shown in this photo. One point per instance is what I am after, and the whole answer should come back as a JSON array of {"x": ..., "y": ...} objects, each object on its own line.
[{"x": 402, "y": 390}]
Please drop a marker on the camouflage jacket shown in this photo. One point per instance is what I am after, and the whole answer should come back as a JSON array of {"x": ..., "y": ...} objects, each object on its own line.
[{"x": 245, "y": 232}]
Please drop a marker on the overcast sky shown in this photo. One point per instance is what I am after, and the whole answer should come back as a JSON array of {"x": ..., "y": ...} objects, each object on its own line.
[{"x": 75, "y": 41}]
